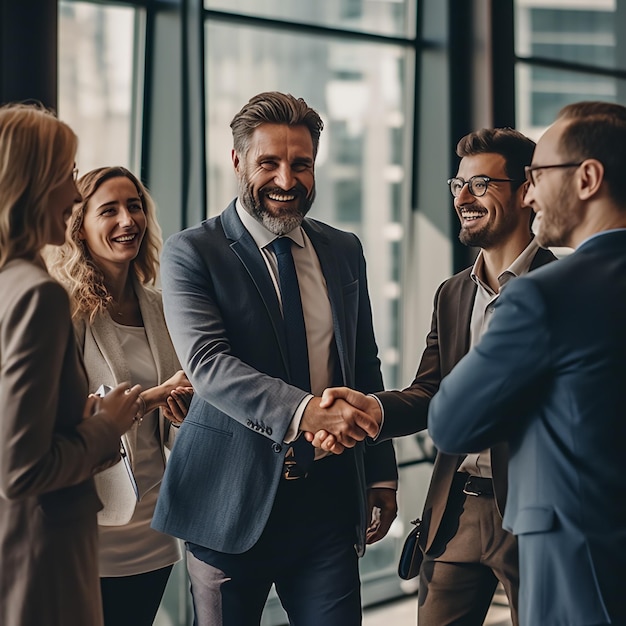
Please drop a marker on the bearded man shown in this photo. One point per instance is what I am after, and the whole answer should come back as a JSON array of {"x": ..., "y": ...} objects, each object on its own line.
[
  {"x": 466, "y": 550},
  {"x": 267, "y": 308}
]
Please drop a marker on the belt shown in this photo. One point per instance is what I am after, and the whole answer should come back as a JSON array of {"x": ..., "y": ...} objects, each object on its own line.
[{"x": 477, "y": 486}]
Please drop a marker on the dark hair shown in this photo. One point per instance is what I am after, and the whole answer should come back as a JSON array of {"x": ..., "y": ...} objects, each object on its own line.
[
  {"x": 273, "y": 107},
  {"x": 517, "y": 149},
  {"x": 597, "y": 130}
]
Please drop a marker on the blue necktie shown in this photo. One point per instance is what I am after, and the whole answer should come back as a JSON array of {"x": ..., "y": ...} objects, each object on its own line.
[{"x": 302, "y": 453}]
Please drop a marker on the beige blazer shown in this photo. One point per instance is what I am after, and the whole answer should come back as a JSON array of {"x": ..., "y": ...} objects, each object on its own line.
[
  {"x": 106, "y": 364},
  {"x": 48, "y": 454}
]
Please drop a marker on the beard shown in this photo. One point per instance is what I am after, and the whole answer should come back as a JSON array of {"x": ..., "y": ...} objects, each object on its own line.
[
  {"x": 555, "y": 227},
  {"x": 490, "y": 234},
  {"x": 281, "y": 221}
]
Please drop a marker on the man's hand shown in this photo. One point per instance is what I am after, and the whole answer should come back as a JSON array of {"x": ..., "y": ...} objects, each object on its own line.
[
  {"x": 335, "y": 398},
  {"x": 383, "y": 508},
  {"x": 345, "y": 423}
]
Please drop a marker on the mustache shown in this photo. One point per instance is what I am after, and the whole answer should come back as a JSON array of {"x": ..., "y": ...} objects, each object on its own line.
[{"x": 297, "y": 189}]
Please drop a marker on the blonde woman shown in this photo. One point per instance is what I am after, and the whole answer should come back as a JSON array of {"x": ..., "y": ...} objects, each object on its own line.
[
  {"x": 53, "y": 438},
  {"x": 109, "y": 264}
]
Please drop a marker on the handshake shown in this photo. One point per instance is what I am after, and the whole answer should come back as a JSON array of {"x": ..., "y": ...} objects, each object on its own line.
[{"x": 340, "y": 418}]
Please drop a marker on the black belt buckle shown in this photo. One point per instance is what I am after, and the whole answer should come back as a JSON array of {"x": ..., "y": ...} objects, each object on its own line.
[{"x": 471, "y": 487}]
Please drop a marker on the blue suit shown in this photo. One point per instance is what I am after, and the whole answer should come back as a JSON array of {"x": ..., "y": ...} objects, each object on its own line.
[
  {"x": 224, "y": 317},
  {"x": 549, "y": 377}
]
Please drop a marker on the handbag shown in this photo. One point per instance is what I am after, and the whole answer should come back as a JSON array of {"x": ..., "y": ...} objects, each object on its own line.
[{"x": 411, "y": 556}]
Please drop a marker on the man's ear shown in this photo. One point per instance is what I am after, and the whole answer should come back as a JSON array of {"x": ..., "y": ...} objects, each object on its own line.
[
  {"x": 589, "y": 178},
  {"x": 522, "y": 189},
  {"x": 235, "y": 158}
]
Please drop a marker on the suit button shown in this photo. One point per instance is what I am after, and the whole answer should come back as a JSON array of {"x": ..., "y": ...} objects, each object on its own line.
[
  {"x": 276, "y": 447},
  {"x": 268, "y": 430}
]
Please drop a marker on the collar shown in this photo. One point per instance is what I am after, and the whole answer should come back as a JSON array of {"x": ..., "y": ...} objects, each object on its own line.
[
  {"x": 521, "y": 265},
  {"x": 600, "y": 234},
  {"x": 263, "y": 237}
]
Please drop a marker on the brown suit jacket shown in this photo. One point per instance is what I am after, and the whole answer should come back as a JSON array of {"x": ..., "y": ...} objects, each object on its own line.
[
  {"x": 406, "y": 411},
  {"x": 48, "y": 454}
]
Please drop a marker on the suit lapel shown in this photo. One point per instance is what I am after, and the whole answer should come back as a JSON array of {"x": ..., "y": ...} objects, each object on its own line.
[
  {"x": 108, "y": 343},
  {"x": 158, "y": 337},
  {"x": 246, "y": 250},
  {"x": 455, "y": 317}
]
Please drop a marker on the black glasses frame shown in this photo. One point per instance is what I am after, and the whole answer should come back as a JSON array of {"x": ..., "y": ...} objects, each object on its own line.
[
  {"x": 529, "y": 169},
  {"x": 470, "y": 184}
]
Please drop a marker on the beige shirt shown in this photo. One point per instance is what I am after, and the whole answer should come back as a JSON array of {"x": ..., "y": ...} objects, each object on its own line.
[{"x": 479, "y": 464}]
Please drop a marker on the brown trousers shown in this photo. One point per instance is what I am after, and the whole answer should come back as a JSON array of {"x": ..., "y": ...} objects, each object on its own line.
[{"x": 471, "y": 553}]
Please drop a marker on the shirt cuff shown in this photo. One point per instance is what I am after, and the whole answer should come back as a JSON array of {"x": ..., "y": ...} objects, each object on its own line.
[
  {"x": 384, "y": 484},
  {"x": 382, "y": 415},
  {"x": 294, "y": 427}
]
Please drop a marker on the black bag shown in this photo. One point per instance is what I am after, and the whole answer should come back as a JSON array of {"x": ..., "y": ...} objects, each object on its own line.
[{"x": 412, "y": 555}]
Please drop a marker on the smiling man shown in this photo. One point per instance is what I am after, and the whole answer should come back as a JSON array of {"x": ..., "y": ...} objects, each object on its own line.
[
  {"x": 466, "y": 550},
  {"x": 266, "y": 308},
  {"x": 549, "y": 378}
]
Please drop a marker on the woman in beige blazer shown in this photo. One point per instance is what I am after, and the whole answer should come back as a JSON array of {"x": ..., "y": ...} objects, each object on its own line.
[
  {"x": 52, "y": 441},
  {"x": 109, "y": 264}
]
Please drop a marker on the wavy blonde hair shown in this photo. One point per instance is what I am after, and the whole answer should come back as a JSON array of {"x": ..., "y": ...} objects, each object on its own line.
[
  {"x": 72, "y": 263},
  {"x": 37, "y": 153}
]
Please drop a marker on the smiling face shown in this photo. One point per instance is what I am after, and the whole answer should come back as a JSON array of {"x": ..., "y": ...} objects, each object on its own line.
[
  {"x": 114, "y": 224},
  {"x": 552, "y": 197},
  {"x": 487, "y": 221},
  {"x": 276, "y": 176},
  {"x": 60, "y": 203}
]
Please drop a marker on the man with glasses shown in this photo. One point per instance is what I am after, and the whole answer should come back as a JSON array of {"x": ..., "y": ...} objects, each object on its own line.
[
  {"x": 554, "y": 359},
  {"x": 466, "y": 550}
]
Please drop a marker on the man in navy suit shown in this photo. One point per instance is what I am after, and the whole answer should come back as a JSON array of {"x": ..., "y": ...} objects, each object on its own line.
[
  {"x": 253, "y": 501},
  {"x": 549, "y": 377},
  {"x": 466, "y": 550}
]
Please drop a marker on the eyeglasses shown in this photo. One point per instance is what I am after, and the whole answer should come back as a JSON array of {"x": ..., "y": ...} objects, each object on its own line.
[
  {"x": 529, "y": 169},
  {"x": 476, "y": 185}
]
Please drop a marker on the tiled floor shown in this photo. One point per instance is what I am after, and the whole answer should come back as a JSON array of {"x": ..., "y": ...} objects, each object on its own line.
[{"x": 403, "y": 612}]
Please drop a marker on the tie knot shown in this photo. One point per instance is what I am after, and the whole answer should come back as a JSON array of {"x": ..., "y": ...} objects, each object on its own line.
[{"x": 282, "y": 245}]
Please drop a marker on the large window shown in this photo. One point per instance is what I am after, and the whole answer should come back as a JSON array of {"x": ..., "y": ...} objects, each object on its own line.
[
  {"x": 96, "y": 80},
  {"x": 383, "y": 17},
  {"x": 568, "y": 51},
  {"x": 362, "y": 92}
]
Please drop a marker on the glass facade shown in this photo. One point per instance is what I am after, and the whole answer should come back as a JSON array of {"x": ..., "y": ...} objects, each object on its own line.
[
  {"x": 97, "y": 81},
  {"x": 565, "y": 49},
  {"x": 383, "y": 17},
  {"x": 362, "y": 175}
]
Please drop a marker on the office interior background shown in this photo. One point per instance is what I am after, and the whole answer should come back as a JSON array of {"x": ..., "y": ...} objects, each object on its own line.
[{"x": 153, "y": 84}]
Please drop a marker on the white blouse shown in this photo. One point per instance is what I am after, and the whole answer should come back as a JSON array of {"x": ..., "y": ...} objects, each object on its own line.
[{"x": 135, "y": 548}]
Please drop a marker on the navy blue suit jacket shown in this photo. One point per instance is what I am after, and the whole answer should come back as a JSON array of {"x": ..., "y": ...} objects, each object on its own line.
[
  {"x": 549, "y": 377},
  {"x": 224, "y": 318}
]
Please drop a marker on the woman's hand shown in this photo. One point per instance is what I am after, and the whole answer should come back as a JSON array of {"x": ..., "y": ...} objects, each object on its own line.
[
  {"x": 121, "y": 407},
  {"x": 172, "y": 395}
]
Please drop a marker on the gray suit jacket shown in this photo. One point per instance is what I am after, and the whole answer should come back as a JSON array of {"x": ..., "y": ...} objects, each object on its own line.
[
  {"x": 48, "y": 454},
  {"x": 549, "y": 377},
  {"x": 225, "y": 321}
]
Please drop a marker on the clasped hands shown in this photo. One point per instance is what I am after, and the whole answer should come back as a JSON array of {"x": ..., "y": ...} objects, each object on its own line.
[{"x": 340, "y": 418}]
